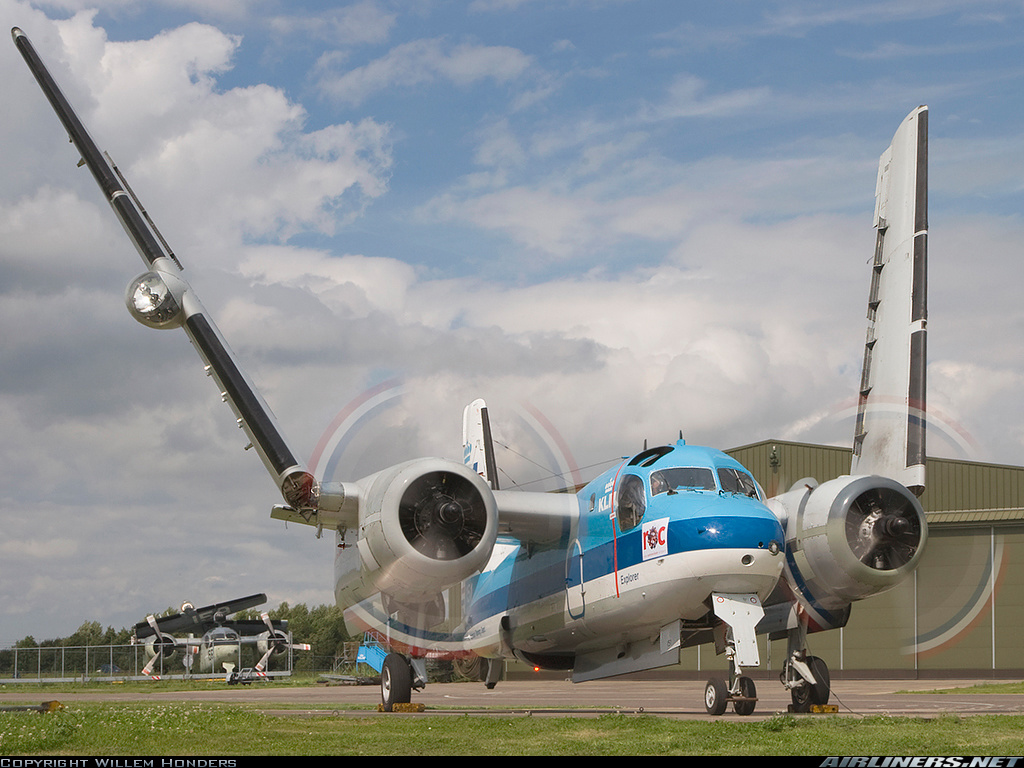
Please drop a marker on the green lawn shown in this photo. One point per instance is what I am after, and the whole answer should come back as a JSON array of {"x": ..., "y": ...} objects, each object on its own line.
[{"x": 208, "y": 730}]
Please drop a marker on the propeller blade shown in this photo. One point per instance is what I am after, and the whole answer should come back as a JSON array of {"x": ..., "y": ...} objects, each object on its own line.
[
  {"x": 148, "y": 669},
  {"x": 262, "y": 664}
]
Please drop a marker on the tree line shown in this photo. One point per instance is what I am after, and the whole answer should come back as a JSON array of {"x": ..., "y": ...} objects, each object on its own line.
[{"x": 322, "y": 627}]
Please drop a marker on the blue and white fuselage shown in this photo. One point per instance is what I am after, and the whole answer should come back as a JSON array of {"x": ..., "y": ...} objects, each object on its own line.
[
  {"x": 653, "y": 538},
  {"x": 639, "y": 557}
]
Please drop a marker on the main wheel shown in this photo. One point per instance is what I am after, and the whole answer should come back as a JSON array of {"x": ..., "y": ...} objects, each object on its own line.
[
  {"x": 810, "y": 695},
  {"x": 747, "y": 691},
  {"x": 716, "y": 697},
  {"x": 395, "y": 682}
]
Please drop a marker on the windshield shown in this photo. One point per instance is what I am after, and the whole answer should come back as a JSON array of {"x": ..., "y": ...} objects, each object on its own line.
[
  {"x": 687, "y": 478},
  {"x": 737, "y": 481}
]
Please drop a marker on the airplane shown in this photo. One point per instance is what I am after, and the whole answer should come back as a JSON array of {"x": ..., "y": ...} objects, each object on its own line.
[
  {"x": 672, "y": 547},
  {"x": 220, "y": 639}
]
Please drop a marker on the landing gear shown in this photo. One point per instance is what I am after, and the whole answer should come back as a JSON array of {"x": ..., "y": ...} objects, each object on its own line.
[
  {"x": 716, "y": 697},
  {"x": 746, "y": 700},
  {"x": 395, "y": 682},
  {"x": 805, "y": 691},
  {"x": 741, "y": 692},
  {"x": 806, "y": 677},
  {"x": 399, "y": 677},
  {"x": 735, "y": 636}
]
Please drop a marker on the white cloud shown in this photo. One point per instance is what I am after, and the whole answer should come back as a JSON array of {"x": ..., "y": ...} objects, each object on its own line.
[
  {"x": 422, "y": 62},
  {"x": 357, "y": 23}
]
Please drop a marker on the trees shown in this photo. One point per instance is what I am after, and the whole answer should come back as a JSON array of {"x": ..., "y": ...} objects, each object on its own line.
[{"x": 323, "y": 627}]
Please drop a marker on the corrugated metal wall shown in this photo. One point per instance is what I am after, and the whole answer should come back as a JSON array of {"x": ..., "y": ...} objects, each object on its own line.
[{"x": 963, "y": 612}]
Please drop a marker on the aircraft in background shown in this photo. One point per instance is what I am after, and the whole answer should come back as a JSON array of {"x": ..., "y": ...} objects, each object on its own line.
[
  {"x": 673, "y": 547},
  {"x": 219, "y": 640}
]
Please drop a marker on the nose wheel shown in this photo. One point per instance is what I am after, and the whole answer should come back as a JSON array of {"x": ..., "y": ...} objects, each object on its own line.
[{"x": 742, "y": 694}]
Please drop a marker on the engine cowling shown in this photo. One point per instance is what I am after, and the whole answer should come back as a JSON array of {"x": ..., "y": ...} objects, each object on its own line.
[
  {"x": 160, "y": 644},
  {"x": 424, "y": 526},
  {"x": 852, "y": 537},
  {"x": 276, "y": 642}
]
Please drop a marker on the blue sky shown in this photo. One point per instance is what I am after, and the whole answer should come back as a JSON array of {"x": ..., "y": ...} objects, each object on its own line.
[{"x": 637, "y": 217}]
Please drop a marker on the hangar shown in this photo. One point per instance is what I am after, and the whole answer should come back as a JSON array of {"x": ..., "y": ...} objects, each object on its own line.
[{"x": 963, "y": 612}]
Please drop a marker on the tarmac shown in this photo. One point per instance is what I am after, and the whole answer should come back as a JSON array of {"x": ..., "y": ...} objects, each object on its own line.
[{"x": 681, "y": 699}]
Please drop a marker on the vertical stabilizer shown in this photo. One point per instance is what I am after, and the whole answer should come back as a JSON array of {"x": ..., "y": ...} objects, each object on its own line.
[
  {"x": 478, "y": 447},
  {"x": 890, "y": 432}
]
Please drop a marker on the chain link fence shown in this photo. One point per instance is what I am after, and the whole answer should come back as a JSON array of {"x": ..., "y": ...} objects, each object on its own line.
[{"x": 62, "y": 663}]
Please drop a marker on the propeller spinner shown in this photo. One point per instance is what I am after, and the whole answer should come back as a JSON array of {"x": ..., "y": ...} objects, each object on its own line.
[
  {"x": 442, "y": 515},
  {"x": 882, "y": 529}
]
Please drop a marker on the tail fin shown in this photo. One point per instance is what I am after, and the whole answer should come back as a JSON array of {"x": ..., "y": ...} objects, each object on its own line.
[
  {"x": 477, "y": 444},
  {"x": 890, "y": 432}
]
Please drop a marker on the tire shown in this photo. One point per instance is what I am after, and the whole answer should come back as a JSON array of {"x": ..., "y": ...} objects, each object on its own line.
[
  {"x": 748, "y": 691},
  {"x": 817, "y": 694},
  {"x": 716, "y": 697},
  {"x": 395, "y": 682}
]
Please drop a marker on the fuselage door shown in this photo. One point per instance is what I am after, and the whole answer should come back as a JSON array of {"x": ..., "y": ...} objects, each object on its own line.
[{"x": 575, "y": 602}]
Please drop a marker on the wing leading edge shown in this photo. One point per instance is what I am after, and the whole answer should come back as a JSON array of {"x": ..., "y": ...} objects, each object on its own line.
[{"x": 162, "y": 299}]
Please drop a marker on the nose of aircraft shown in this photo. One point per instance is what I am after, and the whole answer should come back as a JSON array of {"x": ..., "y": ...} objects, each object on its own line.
[{"x": 740, "y": 544}]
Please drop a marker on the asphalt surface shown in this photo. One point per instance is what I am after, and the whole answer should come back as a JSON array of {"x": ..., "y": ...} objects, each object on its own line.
[{"x": 667, "y": 698}]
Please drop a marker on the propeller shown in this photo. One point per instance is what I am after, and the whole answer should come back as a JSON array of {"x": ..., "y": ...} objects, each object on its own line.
[
  {"x": 882, "y": 529},
  {"x": 277, "y": 642},
  {"x": 160, "y": 646},
  {"x": 442, "y": 515}
]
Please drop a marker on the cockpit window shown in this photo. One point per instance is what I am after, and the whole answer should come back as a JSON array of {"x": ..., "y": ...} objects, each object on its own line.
[
  {"x": 737, "y": 481},
  {"x": 682, "y": 478},
  {"x": 631, "y": 504}
]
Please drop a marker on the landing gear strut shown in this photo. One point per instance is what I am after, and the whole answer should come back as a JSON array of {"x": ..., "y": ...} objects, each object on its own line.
[
  {"x": 735, "y": 636},
  {"x": 806, "y": 677},
  {"x": 808, "y": 682}
]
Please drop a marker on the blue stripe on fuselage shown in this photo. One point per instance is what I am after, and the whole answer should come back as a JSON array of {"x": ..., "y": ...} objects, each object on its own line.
[{"x": 697, "y": 521}]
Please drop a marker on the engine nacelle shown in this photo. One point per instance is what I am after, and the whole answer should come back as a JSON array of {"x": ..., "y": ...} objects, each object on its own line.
[
  {"x": 852, "y": 537},
  {"x": 276, "y": 642},
  {"x": 424, "y": 526},
  {"x": 160, "y": 644}
]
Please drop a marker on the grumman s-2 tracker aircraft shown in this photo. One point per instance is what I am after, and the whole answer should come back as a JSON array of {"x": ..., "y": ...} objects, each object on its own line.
[
  {"x": 673, "y": 547},
  {"x": 220, "y": 638}
]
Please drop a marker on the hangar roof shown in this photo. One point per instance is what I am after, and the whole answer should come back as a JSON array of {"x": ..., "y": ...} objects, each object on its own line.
[{"x": 959, "y": 492}]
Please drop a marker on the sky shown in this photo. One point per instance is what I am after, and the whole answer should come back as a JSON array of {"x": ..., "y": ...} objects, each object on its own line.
[{"x": 615, "y": 220}]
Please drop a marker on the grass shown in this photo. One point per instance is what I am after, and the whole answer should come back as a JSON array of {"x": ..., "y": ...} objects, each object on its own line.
[
  {"x": 122, "y": 729},
  {"x": 186, "y": 728},
  {"x": 986, "y": 688}
]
